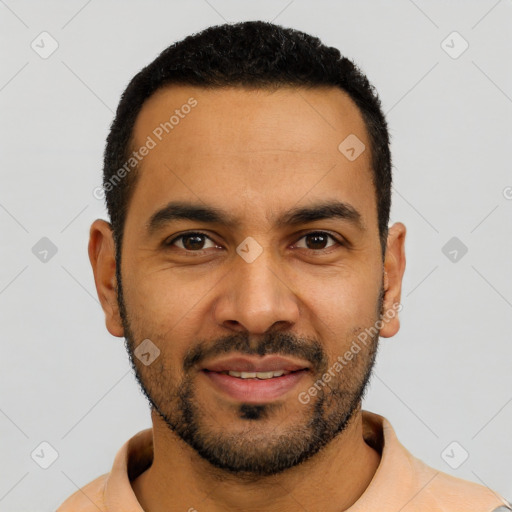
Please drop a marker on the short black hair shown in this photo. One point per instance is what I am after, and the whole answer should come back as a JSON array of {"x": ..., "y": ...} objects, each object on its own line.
[{"x": 252, "y": 54}]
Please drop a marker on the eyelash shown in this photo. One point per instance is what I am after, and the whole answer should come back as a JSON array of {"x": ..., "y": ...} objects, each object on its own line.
[{"x": 201, "y": 251}]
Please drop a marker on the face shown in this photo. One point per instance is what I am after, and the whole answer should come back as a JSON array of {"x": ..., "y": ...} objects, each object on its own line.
[{"x": 251, "y": 261}]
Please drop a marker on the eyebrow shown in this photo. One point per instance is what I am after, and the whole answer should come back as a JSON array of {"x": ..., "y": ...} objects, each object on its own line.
[{"x": 179, "y": 210}]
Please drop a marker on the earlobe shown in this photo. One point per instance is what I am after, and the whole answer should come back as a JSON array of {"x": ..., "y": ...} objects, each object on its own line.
[
  {"x": 103, "y": 262},
  {"x": 394, "y": 268}
]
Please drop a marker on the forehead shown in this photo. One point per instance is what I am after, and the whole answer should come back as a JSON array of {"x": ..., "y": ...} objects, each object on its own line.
[{"x": 230, "y": 147}]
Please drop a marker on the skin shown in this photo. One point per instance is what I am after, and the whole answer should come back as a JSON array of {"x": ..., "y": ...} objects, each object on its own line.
[{"x": 255, "y": 154}]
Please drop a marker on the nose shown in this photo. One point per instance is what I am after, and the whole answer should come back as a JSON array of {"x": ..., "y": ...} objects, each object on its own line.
[{"x": 256, "y": 297}]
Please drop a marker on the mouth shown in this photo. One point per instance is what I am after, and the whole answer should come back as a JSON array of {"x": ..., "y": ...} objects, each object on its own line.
[
  {"x": 240, "y": 366},
  {"x": 257, "y": 375},
  {"x": 255, "y": 387}
]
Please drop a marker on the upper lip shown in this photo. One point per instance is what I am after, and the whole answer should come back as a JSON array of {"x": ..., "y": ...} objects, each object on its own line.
[{"x": 250, "y": 364}]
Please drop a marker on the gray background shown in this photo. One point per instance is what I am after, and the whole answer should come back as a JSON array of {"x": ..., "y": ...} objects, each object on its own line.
[{"x": 445, "y": 377}]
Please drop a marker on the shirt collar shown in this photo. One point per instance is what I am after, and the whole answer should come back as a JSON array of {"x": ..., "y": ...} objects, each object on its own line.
[{"x": 399, "y": 478}]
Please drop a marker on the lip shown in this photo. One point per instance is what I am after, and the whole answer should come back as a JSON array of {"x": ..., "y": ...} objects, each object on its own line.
[
  {"x": 269, "y": 363},
  {"x": 254, "y": 391}
]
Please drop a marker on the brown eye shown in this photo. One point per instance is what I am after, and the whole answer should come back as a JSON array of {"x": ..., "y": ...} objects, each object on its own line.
[
  {"x": 317, "y": 240},
  {"x": 191, "y": 242}
]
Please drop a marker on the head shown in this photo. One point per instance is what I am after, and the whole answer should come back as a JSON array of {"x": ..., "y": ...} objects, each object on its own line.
[{"x": 248, "y": 180}]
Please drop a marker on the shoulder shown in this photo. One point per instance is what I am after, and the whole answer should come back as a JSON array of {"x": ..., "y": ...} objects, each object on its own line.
[
  {"x": 89, "y": 498},
  {"x": 411, "y": 485},
  {"x": 447, "y": 492}
]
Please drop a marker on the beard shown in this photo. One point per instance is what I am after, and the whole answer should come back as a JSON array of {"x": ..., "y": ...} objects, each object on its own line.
[{"x": 257, "y": 445}]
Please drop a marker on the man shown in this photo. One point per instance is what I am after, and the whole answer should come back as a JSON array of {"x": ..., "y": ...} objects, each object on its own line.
[{"x": 249, "y": 267}]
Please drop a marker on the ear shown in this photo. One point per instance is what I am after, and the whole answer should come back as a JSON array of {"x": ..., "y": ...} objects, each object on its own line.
[
  {"x": 394, "y": 268},
  {"x": 103, "y": 260}
]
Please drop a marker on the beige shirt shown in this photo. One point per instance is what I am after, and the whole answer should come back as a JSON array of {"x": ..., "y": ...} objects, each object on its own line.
[{"x": 401, "y": 483}]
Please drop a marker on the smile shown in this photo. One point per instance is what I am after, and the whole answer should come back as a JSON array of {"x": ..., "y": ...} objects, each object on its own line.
[
  {"x": 256, "y": 375},
  {"x": 254, "y": 387}
]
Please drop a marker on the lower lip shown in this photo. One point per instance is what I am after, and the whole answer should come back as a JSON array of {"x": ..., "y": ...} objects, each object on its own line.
[{"x": 255, "y": 390}]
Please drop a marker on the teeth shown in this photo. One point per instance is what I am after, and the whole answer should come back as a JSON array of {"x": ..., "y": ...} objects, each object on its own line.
[{"x": 257, "y": 375}]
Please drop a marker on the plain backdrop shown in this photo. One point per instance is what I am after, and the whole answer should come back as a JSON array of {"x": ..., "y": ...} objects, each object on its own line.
[{"x": 444, "y": 378}]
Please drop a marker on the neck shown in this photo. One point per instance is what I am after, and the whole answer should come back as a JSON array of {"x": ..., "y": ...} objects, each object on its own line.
[{"x": 179, "y": 479}]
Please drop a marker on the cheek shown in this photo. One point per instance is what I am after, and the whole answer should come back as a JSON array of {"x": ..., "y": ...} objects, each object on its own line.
[
  {"x": 163, "y": 302},
  {"x": 348, "y": 297},
  {"x": 339, "y": 309}
]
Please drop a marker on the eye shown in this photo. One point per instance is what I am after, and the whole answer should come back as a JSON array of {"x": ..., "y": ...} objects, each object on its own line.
[
  {"x": 317, "y": 240},
  {"x": 196, "y": 241},
  {"x": 193, "y": 242}
]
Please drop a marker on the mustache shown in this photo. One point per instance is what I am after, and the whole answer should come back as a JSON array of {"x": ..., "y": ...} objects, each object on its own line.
[{"x": 277, "y": 343}]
